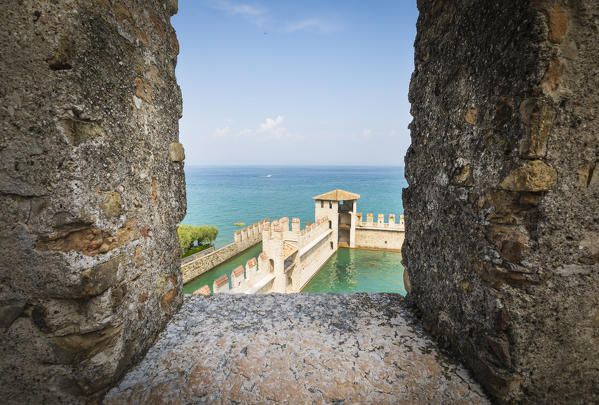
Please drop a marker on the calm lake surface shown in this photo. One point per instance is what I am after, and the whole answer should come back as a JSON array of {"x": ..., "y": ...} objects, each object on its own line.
[{"x": 357, "y": 270}]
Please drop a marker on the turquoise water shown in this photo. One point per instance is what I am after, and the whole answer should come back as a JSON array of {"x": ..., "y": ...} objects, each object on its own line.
[
  {"x": 222, "y": 196},
  {"x": 223, "y": 268},
  {"x": 356, "y": 270},
  {"x": 347, "y": 271}
]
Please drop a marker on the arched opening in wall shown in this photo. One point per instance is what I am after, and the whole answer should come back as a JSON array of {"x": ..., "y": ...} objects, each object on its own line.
[{"x": 291, "y": 106}]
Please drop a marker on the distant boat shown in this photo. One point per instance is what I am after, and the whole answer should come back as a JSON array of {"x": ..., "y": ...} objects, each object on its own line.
[
  {"x": 269, "y": 175},
  {"x": 239, "y": 223}
]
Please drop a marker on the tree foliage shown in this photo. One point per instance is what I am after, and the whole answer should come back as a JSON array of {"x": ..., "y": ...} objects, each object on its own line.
[{"x": 190, "y": 234}]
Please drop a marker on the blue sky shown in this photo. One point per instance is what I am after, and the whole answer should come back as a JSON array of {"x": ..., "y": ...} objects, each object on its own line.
[{"x": 295, "y": 82}]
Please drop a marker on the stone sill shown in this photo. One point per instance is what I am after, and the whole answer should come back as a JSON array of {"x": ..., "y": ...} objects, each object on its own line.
[{"x": 296, "y": 348}]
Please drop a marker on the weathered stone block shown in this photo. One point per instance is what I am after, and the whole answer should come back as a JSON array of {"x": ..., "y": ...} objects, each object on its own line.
[
  {"x": 99, "y": 278},
  {"x": 112, "y": 204},
  {"x": 558, "y": 24},
  {"x": 538, "y": 116},
  {"x": 80, "y": 131},
  {"x": 176, "y": 152},
  {"x": 534, "y": 175}
]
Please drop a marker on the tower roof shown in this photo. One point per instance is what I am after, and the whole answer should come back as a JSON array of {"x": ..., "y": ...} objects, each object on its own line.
[{"x": 337, "y": 195}]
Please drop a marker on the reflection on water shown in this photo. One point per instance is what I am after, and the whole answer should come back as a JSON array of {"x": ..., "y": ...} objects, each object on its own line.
[
  {"x": 355, "y": 270},
  {"x": 347, "y": 271}
]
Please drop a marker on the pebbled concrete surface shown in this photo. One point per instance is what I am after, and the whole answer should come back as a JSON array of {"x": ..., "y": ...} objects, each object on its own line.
[{"x": 361, "y": 348}]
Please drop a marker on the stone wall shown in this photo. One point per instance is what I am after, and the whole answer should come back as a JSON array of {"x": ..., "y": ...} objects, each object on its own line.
[
  {"x": 197, "y": 255},
  {"x": 502, "y": 246},
  {"x": 91, "y": 192},
  {"x": 191, "y": 269},
  {"x": 311, "y": 262},
  {"x": 379, "y": 239}
]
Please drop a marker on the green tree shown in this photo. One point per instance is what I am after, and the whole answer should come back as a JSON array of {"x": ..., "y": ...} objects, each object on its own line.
[{"x": 190, "y": 234}]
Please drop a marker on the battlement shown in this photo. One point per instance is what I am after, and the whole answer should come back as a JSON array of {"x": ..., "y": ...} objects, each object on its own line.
[
  {"x": 380, "y": 223},
  {"x": 256, "y": 274},
  {"x": 196, "y": 265},
  {"x": 279, "y": 229},
  {"x": 312, "y": 231},
  {"x": 205, "y": 290},
  {"x": 250, "y": 232}
]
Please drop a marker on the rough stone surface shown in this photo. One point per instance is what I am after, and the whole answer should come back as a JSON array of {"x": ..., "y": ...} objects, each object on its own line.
[
  {"x": 89, "y": 199},
  {"x": 295, "y": 349},
  {"x": 502, "y": 259}
]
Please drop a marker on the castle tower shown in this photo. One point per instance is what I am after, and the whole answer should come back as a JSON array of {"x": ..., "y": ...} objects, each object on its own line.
[
  {"x": 272, "y": 246},
  {"x": 339, "y": 208}
]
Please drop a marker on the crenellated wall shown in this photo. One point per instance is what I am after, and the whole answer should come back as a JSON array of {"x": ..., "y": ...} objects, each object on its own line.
[
  {"x": 316, "y": 246},
  {"x": 256, "y": 278},
  {"x": 313, "y": 231},
  {"x": 388, "y": 235},
  {"x": 290, "y": 258},
  {"x": 369, "y": 222},
  {"x": 243, "y": 239}
]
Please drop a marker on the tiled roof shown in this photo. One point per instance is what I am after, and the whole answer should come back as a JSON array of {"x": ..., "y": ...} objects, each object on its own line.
[{"x": 337, "y": 195}]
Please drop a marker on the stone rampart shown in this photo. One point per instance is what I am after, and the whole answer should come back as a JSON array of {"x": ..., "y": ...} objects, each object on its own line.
[
  {"x": 255, "y": 278},
  {"x": 311, "y": 260},
  {"x": 290, "y": 258},
  {"x": 388, "y": 235},
  {"x": 384, "y": 239},
  {"x": 312, "y": 232},
  {"x": 244, "y": 239}
]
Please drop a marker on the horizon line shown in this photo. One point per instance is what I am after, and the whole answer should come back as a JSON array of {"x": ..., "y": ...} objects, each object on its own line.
[{"x": 289, "y": 165}]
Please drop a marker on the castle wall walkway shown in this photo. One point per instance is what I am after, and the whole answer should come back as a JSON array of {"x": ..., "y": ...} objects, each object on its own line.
[{"x": 295, "y": 348}]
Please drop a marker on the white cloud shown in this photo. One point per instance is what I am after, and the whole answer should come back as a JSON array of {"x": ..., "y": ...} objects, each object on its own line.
[
  {"x": 367, "y": 132},
  {"x": 314, "y": 25},
  {"x": 271, "y": 127},
  {"x": 221, "y": 132},
  {"x": 254, "y": 14}
]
